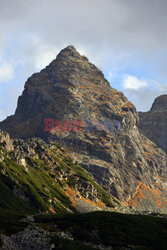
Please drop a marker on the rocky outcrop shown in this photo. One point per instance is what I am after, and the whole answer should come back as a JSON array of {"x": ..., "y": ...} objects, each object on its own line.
[
  {"x": 39, "y": 177},
  {"x": 30, "y": 238},
  {"x": 153, "y": 123},
  {"x": 73, "y": 94}
]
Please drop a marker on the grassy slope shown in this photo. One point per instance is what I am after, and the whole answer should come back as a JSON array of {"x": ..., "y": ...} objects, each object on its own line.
[
  {"x": 110, "y": 229},
  {"x": 41, "y": 183},
  {"x": 11, "y": 223},
  {"x": 119, "y": 231},
  {"x": 43, "y": 189}
]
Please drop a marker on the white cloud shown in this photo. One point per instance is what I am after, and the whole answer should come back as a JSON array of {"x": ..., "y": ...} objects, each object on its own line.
[
  {"x": 132, "y": 82},
  {"x": 109, "y": 76},
  {"x": 45, "y": 54},
  {"x": 144, "y": 97},
  {"x": 6, "y": 72}
]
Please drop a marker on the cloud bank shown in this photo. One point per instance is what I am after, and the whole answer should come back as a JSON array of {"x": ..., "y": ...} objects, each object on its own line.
[{"x": 127, "y": 39}]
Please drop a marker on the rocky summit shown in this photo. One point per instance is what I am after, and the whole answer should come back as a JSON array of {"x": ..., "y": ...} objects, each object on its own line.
[
  {"x": 153, "y": 123},
  {"x": 71, "y": 103}
]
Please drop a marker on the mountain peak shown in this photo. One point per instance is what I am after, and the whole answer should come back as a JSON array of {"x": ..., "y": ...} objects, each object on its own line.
[
  {"x": 70, "y": 53},
  {"x": 69, "y": 59},
  {"x": 69, "y": 48},
  {"x": 71, "y": 103},
  {"x": 160, "y": 104}
]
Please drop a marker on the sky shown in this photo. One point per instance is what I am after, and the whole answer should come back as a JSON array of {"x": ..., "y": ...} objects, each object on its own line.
[{"x": 127, "y": 39}]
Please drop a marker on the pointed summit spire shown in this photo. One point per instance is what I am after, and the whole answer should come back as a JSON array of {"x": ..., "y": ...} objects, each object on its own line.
[
  {"x": 69, "y": 51},
  {"x": 70, "y": 47}
]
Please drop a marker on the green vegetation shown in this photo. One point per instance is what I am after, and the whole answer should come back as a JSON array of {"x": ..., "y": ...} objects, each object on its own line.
[
  {"x": 83, "y": 175},
  {"x": 101, "y": 193},
  {"x": 37, "y": 184},
  {"x": 43, "y": 189},
  {"x": 8, "y": 200},
  {"x": 111, "y": 229},
  {"x": 11, "y": 222},
  {"x": 119, "y": 231},
  {"x": 37, "y": 187}
]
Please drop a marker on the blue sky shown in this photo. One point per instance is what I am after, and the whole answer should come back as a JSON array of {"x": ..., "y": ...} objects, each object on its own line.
[{"x": 127, "y": 39}]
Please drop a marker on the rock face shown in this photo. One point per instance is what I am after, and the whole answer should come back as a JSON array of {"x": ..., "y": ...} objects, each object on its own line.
[
  {"x": 160, "y": 104},
  {"x": 38, "y": 177},
  {"x": 153, "y": 123},
  {"x": 120, "y": 158}
]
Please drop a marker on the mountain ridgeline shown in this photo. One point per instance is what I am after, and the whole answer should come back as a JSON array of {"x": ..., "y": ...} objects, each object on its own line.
[
  {"x": 153, "y": 123},
  {"x": 124, "y": 162}
]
